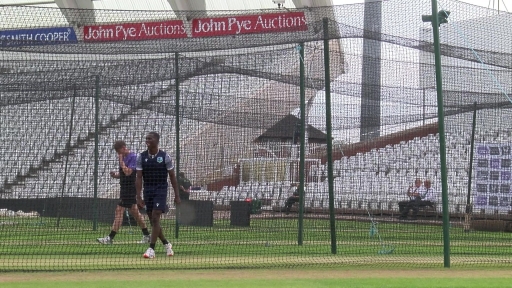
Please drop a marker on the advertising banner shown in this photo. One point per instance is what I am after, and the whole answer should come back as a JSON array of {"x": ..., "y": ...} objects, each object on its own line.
[
  {"x": 171, "y": 29},
  {"x": 247, "y": 24},
  {"x": 492, "y": 165},
  {"x": 39, "y": 36}
]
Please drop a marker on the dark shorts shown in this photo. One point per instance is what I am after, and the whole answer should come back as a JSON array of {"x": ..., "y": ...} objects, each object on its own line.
[
  {"x": 156, "y": 200},
  {"x": 127, "y": 202}
]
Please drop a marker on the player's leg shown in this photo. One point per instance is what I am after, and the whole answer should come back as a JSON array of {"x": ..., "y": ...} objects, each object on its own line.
[
  {"x": 154, "y": 212},
  {"x": 401, "y": 206},
  {"x": 415, "y": 208},
  {"x": 155, "y": 206},
  {"x": 134, "y": 211},
  {"x": 118, "y": 220},
  {"x": 156, "y": 233},
  {"x": 157, "y": 214},
  {"x": 406, "y": 210},
  {"x": 160, "y": 208},
  {"x": 288, "y": 205},
  {"x": 156, "y": 229},
  {"x": 148, "y": 201},
  {"x": 150, "y": 252}
]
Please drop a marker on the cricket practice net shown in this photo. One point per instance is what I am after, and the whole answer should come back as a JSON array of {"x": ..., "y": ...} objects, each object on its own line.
[{"x": 240, "y": 102}]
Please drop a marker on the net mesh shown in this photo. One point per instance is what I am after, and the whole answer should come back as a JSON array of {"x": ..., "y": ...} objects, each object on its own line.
[{"x": 65, "y": 100}]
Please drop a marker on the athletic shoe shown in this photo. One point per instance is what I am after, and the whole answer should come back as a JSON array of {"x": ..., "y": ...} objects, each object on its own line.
[
  {"x": 150, "y": 253},
  {"x": 105, "y": 240},
  {"x": 168, "y": 248},
  {"x": 145, "y": 239}
]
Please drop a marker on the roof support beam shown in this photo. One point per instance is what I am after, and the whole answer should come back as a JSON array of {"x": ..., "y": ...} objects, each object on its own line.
[
  {"x": 189, "y": 9},
  {"x": 311, "y": 3},
  {"x": 312, "y": 17},
  {"x": 35, "y": 2},
  {"x": 77, "y": 17}
]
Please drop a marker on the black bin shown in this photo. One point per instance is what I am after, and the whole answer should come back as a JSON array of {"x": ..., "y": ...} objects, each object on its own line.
[
  {"x": 240, "y": 213},
  {"x": 196, "y": 213}
]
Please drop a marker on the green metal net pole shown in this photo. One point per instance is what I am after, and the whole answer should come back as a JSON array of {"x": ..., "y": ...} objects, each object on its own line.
[
  {"x": 469, "y": 209},
  {"x": 177, "y": 128},
  {"x": 302, "y": 144},
  {"x": 68, "y": 148},
  {"x": 328, "y": 128},
  {"x": 96, "y": 151},
  {"x": 442, "y": 140}
]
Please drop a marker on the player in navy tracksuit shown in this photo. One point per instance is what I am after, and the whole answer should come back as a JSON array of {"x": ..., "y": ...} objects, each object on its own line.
[{"x": 153, "y": 167}]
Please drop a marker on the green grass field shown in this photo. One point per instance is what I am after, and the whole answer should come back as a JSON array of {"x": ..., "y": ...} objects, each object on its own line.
[
  {"x": 34, "y": 244},
  {"x": 297, "y": 278}
]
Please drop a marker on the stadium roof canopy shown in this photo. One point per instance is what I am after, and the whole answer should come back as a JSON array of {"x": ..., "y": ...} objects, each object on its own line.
[{"x": 66, "y": 17}]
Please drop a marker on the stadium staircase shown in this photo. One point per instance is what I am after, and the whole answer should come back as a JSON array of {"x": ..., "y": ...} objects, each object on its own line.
[{"x": 81, "y": 142}]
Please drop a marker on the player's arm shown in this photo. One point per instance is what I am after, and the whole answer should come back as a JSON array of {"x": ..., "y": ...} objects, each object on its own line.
[
  {"x": 172, "y": 175},
  {"x": 138, "y": 188},
  {"x": 138, "y": 182},
  {"x": 129, "y": 166},
  {"x": 127, "y": 170},
  {"x": 174, "y": 183},
  {"x": 409, "y": 190},
  {"x": 114, "y": 174},
  {"x": 418, "y": 192}
]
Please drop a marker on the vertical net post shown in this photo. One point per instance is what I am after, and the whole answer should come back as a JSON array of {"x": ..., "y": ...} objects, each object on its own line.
[
  {"x": 177, "y": 125},
  {"x": 96, "y": 151},
  {"x": 423, "y": 106},
  {"x": 302, "y": 144},
  {"x": 470, "y": 172},
  {"x": 442, "y": 140},
  {"x": 328, "y": 126},
  {"x": 68, "y": 150}
]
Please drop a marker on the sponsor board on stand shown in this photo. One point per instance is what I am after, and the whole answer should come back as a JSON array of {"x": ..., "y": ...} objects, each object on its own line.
[
  {"x": 493, "y": 186},
  {"x": 38, "y": 36},
  {"x": 170, "y": 29}
]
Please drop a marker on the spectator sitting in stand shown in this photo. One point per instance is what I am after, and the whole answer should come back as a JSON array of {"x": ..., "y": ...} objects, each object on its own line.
[
  {"x": 293, "y": 198},
  {"x": 184, "y": 186},
  {"x": 421, "y": 197}
]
